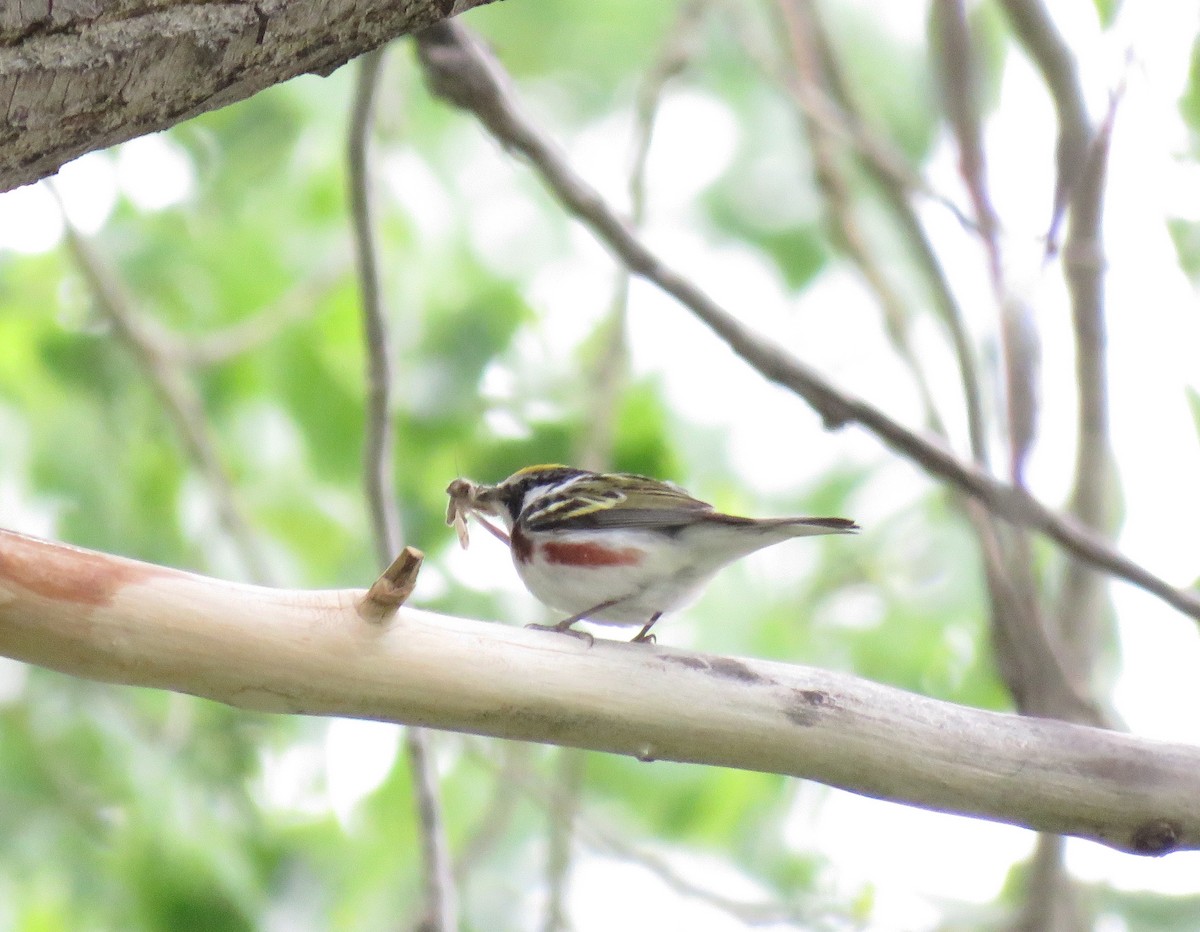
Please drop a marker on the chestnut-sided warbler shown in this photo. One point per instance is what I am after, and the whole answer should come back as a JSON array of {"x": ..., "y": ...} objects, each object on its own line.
[{"x": 615, "y": 548}]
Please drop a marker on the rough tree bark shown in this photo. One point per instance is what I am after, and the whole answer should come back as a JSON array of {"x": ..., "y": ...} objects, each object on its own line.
[{"x": 78, "y": 75}]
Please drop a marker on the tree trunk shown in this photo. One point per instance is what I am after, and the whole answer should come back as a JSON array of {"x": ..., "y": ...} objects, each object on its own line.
[{"x": 78, "y": 75}]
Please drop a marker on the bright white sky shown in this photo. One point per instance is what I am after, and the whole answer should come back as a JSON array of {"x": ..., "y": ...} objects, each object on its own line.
[{"x": 913, "y": 859}]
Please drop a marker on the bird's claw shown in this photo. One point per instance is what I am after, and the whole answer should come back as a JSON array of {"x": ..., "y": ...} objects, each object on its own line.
[{"x": 565, "y": 629}]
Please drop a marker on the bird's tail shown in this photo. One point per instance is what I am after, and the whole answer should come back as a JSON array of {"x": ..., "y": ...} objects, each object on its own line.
[{"x": 790, "y": 527}]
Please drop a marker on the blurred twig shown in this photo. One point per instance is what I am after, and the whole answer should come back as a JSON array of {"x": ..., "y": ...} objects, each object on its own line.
[
  {"x": 441, "y": 913},
  {"x": 458, "y": 71},
  {"x": 562, "y": 813},
  {"x": 488, "y": 831},
  {"x": 806, "y": 83},
  {"x": 1082, "y": 598},
  {"x": 298, "y": 302},
  {"x": 955, "y": 58},
  {"x": 378, "y": 465},
  {"x": 1035, "y": 30},
  {"x": 959, "y": 81},
  {"x": 181, "y": 402}
]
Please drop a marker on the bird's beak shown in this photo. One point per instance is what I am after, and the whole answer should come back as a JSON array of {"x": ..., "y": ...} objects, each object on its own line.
[
  {"x": 486, "y": 499},
  {"x": 467, "y": 496}
]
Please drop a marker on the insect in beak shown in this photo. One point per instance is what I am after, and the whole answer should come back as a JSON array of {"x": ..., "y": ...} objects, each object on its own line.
[{"x": 469, "y": 498}]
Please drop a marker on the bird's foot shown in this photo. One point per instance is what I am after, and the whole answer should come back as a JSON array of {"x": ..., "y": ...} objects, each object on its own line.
[
  {"x": 644, "y": 636},
  {"x": 564, "y": 627}
]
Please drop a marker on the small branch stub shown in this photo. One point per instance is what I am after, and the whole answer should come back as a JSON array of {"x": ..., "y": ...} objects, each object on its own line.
[{"x": 392, "y": 589}]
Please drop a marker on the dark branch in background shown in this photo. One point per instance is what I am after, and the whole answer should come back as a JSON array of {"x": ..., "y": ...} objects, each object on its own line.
[
  {"x": 182, "y": 403},
  {"x": 440, "y": 908},
  {"x": 458, "y": 71}
]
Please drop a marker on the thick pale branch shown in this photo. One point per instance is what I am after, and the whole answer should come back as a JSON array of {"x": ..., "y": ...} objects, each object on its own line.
[
  {"x": 77, "y": 76},
  {"x": 310, "y": 652}
]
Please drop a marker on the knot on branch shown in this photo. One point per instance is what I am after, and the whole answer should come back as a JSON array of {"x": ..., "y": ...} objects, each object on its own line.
[{"x": 1158, "y": 836}]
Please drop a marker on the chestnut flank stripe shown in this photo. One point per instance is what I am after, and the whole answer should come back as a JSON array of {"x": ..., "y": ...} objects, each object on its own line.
[{"x": 590, "y": 554}]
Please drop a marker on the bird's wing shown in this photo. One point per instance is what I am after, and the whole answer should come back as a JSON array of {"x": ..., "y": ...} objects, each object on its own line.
[{"x": 617, "y": 501}]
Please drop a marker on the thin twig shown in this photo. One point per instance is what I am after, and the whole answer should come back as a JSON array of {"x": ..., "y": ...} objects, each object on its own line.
[
  {"x": 457, "y": 70},
  {"x": 379, "y": 469},
  {"x": 955, "y": 61},
  {"x": 607, "y": 382},
  {"x": 180, "y": 400},
  {"x": 441, "y": 910}
]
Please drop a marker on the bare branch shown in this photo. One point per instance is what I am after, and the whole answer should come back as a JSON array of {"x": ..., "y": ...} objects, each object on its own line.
[
  {"x": 309, "y": 652},
  {"x": 458, "y": 71},
  {"x": 441, "y": 910}
]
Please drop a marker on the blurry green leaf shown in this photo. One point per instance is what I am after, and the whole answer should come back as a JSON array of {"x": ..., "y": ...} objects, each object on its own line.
[
  {"x": 1107, "y": 11},
  {"x": 1185, "y": 234},
  {"x": 1189, "y": 102}
]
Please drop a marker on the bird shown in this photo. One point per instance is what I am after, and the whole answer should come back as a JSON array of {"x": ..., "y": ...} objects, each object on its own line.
[{"x": 615, "y": 548}]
